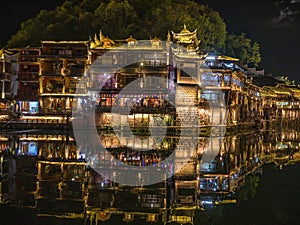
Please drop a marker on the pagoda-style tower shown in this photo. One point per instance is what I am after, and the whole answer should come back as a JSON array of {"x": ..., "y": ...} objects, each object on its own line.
[
  {"x": 102, "y": 41},
  {"x": 186, "y": 38}
]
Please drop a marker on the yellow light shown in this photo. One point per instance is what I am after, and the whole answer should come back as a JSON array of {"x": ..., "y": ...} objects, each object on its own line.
[
  {"x": 3, "y": 139},
  {"x": 42, "y": 117}
]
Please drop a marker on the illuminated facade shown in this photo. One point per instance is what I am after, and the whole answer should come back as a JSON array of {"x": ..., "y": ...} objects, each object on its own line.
[
  {"x": 27, "y": 98},
  {"x": 8, "y": 76},
  {"x": 45, "y": 81},
  {"x": 62, "y": 65},
  {"x": 117, "y": 64}
]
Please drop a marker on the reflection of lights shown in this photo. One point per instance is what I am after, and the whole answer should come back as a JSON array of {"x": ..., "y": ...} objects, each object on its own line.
[
  {"x": 3, "y": 117},
  {"x": 65, "y": 163},
  {"x": 45, "y": 138},
  {"x": 128, "y": 217},
  {"x": 60, "y": 94},
  {"x": 206, "y": 202},
  {"x": 41, "y": 117}
]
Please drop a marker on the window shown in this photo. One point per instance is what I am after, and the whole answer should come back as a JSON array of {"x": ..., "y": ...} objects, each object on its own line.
[
  {"x": 211, "y": 79},
  {"x": 106, "y": 60},
  {"x": 209, "y": 96},
  {"x": 227, "y": 80},
  {"x": 188, "y": 72},
  {"x": 65, "y": 52}
]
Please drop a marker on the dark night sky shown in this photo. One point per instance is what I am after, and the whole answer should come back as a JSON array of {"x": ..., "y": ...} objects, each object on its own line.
[{"x": 277, "y": 35}]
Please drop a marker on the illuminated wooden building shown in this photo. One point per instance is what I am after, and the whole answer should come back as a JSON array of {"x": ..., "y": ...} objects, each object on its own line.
[
  {"x": 207, "y": 88},
  {"x": 268, "y": 101},
  {"x": 8, "y": 76},
  {"x": 252, "y": 103},
  {"x": 223, "y": 79},
  {"x": 187, "y": 39},
  {"x": 287, "y": 101},
  {"x": 293, "y": 111},
  {"x": 62, "y": 66},
  {"x": 212, "y": 81},
  {"x": 115, "y": 64},
  {"x": 281, "y": 101},
  {"x": 186, "y": 73},
  {"x": 27, "y": 99},
  {"x": 279, "y": 98}
]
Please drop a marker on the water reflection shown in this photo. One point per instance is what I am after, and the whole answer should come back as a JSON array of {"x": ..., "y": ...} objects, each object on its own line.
[{"x": 51, "y": 174}]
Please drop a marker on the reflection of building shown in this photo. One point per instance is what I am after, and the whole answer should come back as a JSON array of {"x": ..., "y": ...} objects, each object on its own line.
[
  {"x": 48, "y": 173},
  {"x": 37, "y": 168},
  {"x": 236, "y": 158},
  {"x": 17, "y": 174},
  {"x": 61, "y": 173},
  {"x": 26, "y": 180},
  {"x": 7, "y": 178},
  {"x": 108, "y": 200},
  {"x": 60, "y": 187}
]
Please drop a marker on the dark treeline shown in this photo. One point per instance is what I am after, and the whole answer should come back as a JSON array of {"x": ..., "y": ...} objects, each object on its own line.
[{"x": 118, "y": 19}]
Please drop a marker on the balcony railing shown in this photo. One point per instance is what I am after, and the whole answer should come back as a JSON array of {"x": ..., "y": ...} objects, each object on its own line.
[
  {"x": 28, "y": 58},
  {"x": 64, "y": 56},
  {"x": 4, "y": 76},
  {"x": 28, "y": 76},
  {"x": 124, "y": 109}
]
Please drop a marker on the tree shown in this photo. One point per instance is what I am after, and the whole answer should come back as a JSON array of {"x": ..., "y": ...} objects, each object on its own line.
[
  {"x": 116, "y": 19},
  {"x": 242, "y": 48},
  {"x": 79, "y": 19},
  {"x": 210, "y": 26},
  {"x": 76, "y": 19}
]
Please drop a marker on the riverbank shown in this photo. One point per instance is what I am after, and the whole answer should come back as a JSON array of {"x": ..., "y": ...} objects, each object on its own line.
[{"x": 64, "y": 122}]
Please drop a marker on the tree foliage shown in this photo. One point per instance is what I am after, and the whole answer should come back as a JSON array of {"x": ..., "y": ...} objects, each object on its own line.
[
  {"x": 76, "y": 20},
  {"x": 118, "y": 19},
  {"x": 243, "y": 48}
]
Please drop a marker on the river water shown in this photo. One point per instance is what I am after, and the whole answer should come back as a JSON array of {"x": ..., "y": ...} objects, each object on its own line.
[{"x": 249, "y": 177}]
